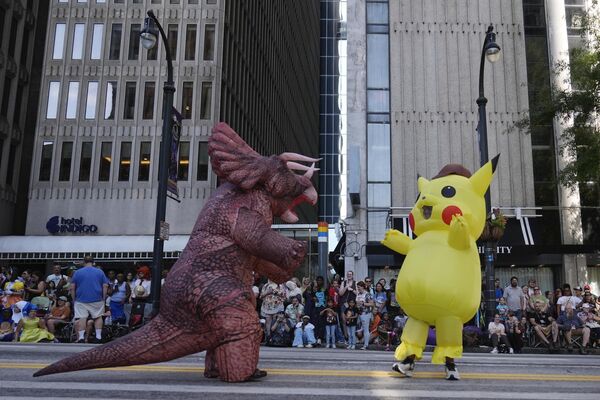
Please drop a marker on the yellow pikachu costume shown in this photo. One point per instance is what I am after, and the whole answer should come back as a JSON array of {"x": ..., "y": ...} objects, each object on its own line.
[{"x": 440, "y": 281}]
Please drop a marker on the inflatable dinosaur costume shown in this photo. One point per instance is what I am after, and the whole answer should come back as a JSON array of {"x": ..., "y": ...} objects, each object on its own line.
[{"x": 207, "y": 301}]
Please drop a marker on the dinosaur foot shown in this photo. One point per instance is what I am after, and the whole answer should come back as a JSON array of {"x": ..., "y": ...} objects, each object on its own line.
[{"x": 258, "y": 373}]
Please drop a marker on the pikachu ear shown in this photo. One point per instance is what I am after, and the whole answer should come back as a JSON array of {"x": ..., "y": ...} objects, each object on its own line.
[
  {"x": 482, "y": 178},
  {"x": 421, "y": 183}
]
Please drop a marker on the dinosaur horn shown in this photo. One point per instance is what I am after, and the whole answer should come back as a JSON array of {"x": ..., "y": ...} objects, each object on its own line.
[
  {"x": 299, "y": 167},
  {"x": 310, "y": 171},
  {"x": 297, "y": 157}
]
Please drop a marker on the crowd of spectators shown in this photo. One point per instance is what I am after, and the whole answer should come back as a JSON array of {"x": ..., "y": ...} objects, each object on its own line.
[
  {"x": 72, "y": 304},
  {"x": 554, "y": 319},
  {"x": 78, "y": 305}
]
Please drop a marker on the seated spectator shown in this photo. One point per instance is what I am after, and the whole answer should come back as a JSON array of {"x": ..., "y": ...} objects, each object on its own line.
[
  {"x": 294, "y": 311},
  {"x": 34, "y": 286},
  {"x": 497, "y": 333},
  {"x": 304, "y": 335},
  {"x": 59, "y": 315},
  {"x": 13, "y": 293},
  {"x": 544, "y": 325},
  {"x": 32, "y": 329},
  {"x": 566, "y": 299},
  {"x": 351, "y": 321},
  {"x": 400, "y": 322},
  {"x": 331, "y": 323},
  {"x": 381, "y": 299},
  {"x": 281, "y": 331},
  {"x": 17, "y": 311},
  {"x": 515, "y": 332},
  {"x": 7, "y": 326},
  {"x": 502, "y": 309},
  {"x": 590, "y": 320},
  {"x": 386, "y": 331},
  {"x": 570, "y": 324},
  {"x": 56, "y": 278}
]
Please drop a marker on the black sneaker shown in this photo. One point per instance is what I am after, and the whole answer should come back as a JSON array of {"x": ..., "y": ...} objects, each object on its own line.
[
  {"x": 94, "y": 340},
  {"x": 80, "y": 341},
  {"x": 405, "y": 368},
  {"x": 451, "y": 372}
]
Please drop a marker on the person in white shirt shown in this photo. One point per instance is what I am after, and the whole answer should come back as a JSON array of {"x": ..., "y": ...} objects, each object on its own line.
[
  {"x": 304, "y": 335},
  {"x": 566, "y": 299},
  {"x": 497, "y": 333},
  {"x": 56, "y": 277}
]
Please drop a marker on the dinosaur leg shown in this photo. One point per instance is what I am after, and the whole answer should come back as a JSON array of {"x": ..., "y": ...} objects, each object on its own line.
[
  {"x": 237, "y": 361},
  {"x": 448, "y": 339},
  {"x": 210, "y": 364},
  {"x": 414, "y": 338}
]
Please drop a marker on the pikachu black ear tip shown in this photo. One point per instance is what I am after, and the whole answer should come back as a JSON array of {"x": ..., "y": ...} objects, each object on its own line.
[{"x": 495, "y": 163}]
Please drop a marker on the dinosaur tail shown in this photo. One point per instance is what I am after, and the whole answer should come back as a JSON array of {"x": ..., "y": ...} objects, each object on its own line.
[{"x": 158, "y": 341}]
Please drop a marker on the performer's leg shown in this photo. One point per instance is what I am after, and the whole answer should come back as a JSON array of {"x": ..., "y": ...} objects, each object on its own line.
[
  {"x": 237, "y": 361},
  {"x": 210, "y": 364},
  {"x": 414, "y": 338},
  {"x": 448, "y": 340}
]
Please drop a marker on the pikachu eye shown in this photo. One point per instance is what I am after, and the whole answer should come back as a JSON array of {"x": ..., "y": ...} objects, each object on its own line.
[{"x": 448, "y": 191}]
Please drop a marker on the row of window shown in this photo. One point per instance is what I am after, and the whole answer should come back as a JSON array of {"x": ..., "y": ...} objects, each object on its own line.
[
  {"x": 124, "y": 171},
  {"x": 111, "y": 99},
  {"x": 141, "y": 1},
  {"x": 12, "y": 153},
  {"x": 96, "y": 45}
]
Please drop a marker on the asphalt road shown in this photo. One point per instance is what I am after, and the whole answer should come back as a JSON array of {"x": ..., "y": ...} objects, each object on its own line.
[{"x": 303, "y": 374}]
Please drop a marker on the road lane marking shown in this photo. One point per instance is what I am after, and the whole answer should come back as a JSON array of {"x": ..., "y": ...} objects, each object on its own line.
[{"x": 343, "y": 373}]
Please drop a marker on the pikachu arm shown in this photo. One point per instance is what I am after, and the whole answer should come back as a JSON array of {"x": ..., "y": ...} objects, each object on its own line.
[
  {"x": 459, "y": 237},
  {"x": 396, "y": 241}
]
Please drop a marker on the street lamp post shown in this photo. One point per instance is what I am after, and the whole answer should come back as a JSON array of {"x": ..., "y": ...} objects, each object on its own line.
[
  {"x": 491, "y": 51},
  {"x": 149, "y": 38}
]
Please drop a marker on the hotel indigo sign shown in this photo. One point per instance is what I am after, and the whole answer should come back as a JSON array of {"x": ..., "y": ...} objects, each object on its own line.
[{"x": 57, "y": 225}]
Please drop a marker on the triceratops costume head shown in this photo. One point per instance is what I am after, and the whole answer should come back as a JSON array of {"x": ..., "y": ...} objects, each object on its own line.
[{"x": 208, "y": 302}]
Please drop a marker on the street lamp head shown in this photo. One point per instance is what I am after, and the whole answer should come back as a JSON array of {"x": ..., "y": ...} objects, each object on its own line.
[
  {"x": 492, "y": 52},
  {"x": 149, "y": 35}
]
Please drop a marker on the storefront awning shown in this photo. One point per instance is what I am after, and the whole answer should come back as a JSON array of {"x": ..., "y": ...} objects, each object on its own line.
[{"x": 76, "y": 247}]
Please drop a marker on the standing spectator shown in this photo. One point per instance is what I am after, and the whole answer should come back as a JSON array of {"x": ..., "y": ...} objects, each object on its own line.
[
  {"x": 365, "y": 303},
  {"x": 119, "y": 292},
  {"x": 13, "y": 293},
  {"x": 531, "y": 284},
  {"x": 331, "y": 323},
  {"x": 525, "y": 299},
  {"x": 129, "y": 279},
  {"x": 499, "y": 291},
  {"x": 292, "y": 290},
  {"x": 570, "y": 324},
  {"x": 89, "y": 288},
  {"x": 514, "y": 297},
  {"x": 57, "y": 277},
  {"x": 497, "y": 333},
  {"x": 383, "y": 283},
  {"x": 380, "y": 298},
  {"x": 320, "y": 302},
  {"x": 333, "y": 293},
  {"x": 369, "y": 286},
  {"x": 567, "y": 299},
  {"x": 142, "y": 285},
  {"x": 34, "y": 286},
  {"x": 350, "y": 321},
  {"x": 347, "y": 293},
  {"x": 400, "y": 322},
  {"x": 393, "y": 306},
  {"x": 304, "y": 335},
  {"x": 273, "y": 296},
  {"x": 59, "y": 315},
  {"x": 537, "y": 296},
  {"x": 579, "y": 294},
  {"x": 294, "y": 310},
  {"x": 281, "y": 331}
]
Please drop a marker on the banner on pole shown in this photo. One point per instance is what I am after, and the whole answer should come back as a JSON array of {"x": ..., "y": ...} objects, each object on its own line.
[{"x": 174, "y": 161}]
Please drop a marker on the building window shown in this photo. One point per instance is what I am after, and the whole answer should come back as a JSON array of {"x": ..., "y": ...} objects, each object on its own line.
[
  {"x": 144, "y": 161},
  {"x": 125, "y": 161},
  {"x": 129, "y": 103},
  {"x": 153, "y": 52},
  {"x": 211, "y": 1},
  {"x": 172, "y": 39},
  {"x": 6, "y": 96},
  {"x": 24, "y": 47},
  {"x": 209, "y": 42},
  {"x": 205, "y": 100},
  {"x": 156, "y": 2},
  {"x": 46, "y": 161},
  {"x": 111, "y": 100},
  {"x": 78, "y": 40},
  {"x": 184, "y": 161},
  {"x": 53, "y": 93},
  {"x": 13, "y": 37},
  {"x": 174, "y": 1},
  {"x": 18, "y": 104},
  {"x": 91, "y": 101},
  {"x": 202, "y": 174},
  {"x": 187, "y": 99},
  {"x": 10, "y": 168},
  {"x": 190, "y": 42},
  {"x": 192, "y": 1},
  {"x": 97, "y": 38},
  {"x": 66, "y": 156},
  {"x": 134, "y": 41},
  {"x": 115, "y": 42},
  {"x": 59, "y": 41},
  {"x": 149, "y": 90},
  {"x": 105, "y": 161},
  {"x": 85, "y": 163},
  {"x": 72, "y": 98}
]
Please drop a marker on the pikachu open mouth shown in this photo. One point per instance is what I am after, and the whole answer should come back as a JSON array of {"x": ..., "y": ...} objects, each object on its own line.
[{"x": 427, "y": 210}]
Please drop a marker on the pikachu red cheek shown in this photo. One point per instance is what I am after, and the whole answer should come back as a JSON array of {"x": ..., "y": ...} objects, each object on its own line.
[
  {"x": 449, "y": 212},
  {"x": 411, "y": 221}
]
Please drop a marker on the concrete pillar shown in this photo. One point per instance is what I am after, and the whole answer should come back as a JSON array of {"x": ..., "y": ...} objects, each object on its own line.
[{"x": 568, "y": 199}]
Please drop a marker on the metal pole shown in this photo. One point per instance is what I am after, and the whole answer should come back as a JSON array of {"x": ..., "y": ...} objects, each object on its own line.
[
  {"x": 163, "y": 173},
  {"x": 322, "y": 237},
  {"x": 490, "y": 245}
]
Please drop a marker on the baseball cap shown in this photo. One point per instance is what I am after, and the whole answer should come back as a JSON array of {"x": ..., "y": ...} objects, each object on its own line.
[
  {"x": 63, "y": 298},
  {"x": 587, "y": 287},
  {"x": 578, "y": 288}
]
